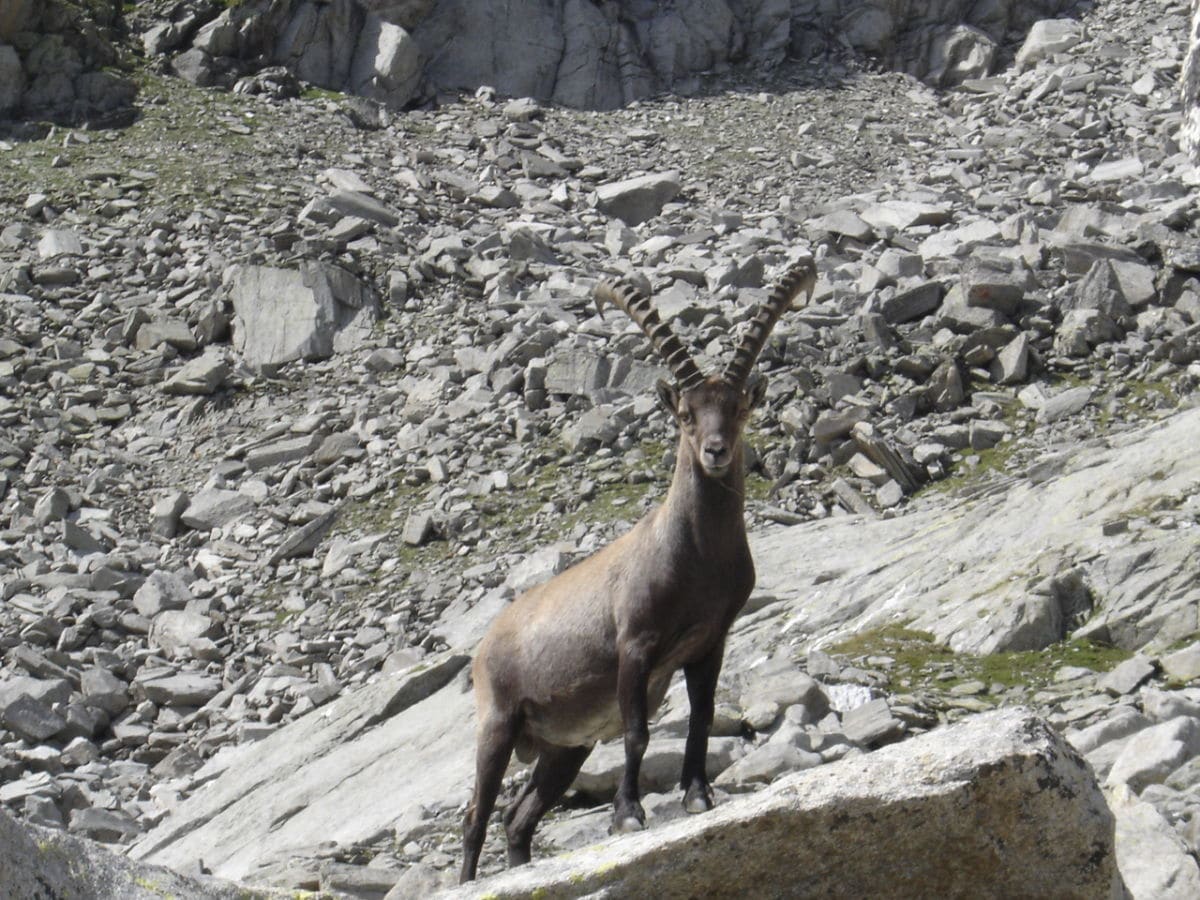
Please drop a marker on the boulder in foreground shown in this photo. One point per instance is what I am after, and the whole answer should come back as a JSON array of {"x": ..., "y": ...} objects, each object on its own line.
[
  {"x": 42, "y": 863},
  {"x": 1000, "y": 806}
]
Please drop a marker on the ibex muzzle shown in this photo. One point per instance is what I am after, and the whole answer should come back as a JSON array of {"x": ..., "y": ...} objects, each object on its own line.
[{"x": 589, "y": 654}]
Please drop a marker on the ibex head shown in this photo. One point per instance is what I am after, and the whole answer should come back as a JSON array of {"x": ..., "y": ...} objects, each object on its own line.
[{"x": 711, "y": 411}]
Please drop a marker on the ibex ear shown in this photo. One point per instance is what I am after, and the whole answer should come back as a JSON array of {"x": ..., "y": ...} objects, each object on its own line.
[
  {"x": 668, "y": 395},
  {"x": 756, "y": 390}
]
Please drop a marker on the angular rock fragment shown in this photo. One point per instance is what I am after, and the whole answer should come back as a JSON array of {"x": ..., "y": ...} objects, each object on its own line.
[
  {"x": 914, "y": 303},
  {"x": 304, "y": 540},
  {"x": 307, "y": 313},
  {"x": 638, "y": 199},
  {"x": 1047, "y": 37},
  {"x": 32, "y": 719},
  {"x": 215, "y": 507},
  {"x": 993, "y": 283},
  {"x": 200, "y": 376},
  {"x": 170, "y": 688}
]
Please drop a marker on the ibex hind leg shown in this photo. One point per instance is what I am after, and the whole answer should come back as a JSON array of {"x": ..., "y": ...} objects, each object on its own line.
[
  {"x": 701, "y": 677},
  {"x": 496, "y": 737},
  {"x": 556, "y": 768}
]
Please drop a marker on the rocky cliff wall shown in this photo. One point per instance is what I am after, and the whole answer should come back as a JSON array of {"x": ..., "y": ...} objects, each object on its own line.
[
  {"x": 581, "y": 53},
  {"x": 56, "y": 59}
]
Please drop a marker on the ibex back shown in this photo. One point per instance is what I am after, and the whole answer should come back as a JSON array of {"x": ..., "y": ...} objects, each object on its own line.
[{"x": 590, "y": 653}]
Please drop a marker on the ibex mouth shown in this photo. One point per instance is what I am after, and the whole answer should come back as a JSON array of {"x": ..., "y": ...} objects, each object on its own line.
[{"x": 715, "y": 471}]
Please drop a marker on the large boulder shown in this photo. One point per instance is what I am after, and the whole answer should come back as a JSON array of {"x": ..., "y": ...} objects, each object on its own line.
[
  {"x": 307, "y": 313},
  {"x": 999, "y": 806},
  {"x": 42, "y": 863}
]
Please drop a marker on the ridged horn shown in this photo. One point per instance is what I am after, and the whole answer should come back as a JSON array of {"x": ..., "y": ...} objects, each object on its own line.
[
  {"x": 801, "y": 276},
  {"x": 666, "y": 344}
]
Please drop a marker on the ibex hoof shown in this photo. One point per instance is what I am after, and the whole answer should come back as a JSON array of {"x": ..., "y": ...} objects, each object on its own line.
[
  {"x": 697, "y": 803},
  {"x": 627, "y": 825}
]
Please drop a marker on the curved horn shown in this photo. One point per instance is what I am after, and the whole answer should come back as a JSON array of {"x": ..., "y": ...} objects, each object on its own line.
[
  {"x": 802, "y": 276},
  {"x": 637, "y": 306}
]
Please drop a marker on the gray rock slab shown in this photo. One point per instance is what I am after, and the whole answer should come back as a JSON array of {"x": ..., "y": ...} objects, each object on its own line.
[
  {"x": 169, "y": 688},
  {"x": 32, "y": 719},
  {"x": 40, "y": 862},
  {"x": 764, "y": 764},
  {"x": 200, "y": 376},
  {"x": 635, "y": 200},
  {"x": 57, "y": 242},
  {"x": 364, "y": 206},
  {"x": 1065, "y": 403},
  {"x": 933, "y": 567},
  {"x": 103, "y": 689},
  {"x": 161, "y": 591},
  {"x": 1047, "y": 37},
  {"x": 305, "y": 539},
  {"x": 214, "y": 507},
  {"x": 48, "y": 690},
  {"x": 311, "y": 312},
  {"x": 1124, "y": 721},
  {"x": 321, "y": 777},
  {"x": 1154, "y": 862},
  {"x": 1128, "y": 676},
  {"x": 165, "y": 330},
  {"x": 283, "y": 451},
  {"x": 1154, "y": 753},
  {"x": 1183, "y": 664},
  {"x": 980, "y": 787},
  {"x": 992, "y": 283},
  {"x": 913, "y": 303},
  {"x": 872, "y": 724},
  {"x": 784, "y": 686},
  {"x": 661, "y": 765},
  {"x": 173, "y": 630},
  {"x": 905, "y": 214},
  {"x": 842, "y": 222},
  {"x": 52, "y": 506},
  {"x": 577, "y": 373}
]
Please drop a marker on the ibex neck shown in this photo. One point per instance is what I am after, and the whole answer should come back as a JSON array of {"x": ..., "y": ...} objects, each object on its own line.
[{"x": 709, "y": 509}]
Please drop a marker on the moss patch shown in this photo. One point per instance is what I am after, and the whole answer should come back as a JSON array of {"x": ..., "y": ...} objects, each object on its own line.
[{"x": 919, "y": 661}]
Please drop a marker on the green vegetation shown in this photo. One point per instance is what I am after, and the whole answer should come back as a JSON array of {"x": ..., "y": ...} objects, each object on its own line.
[
  {"x": 995, "y": 460},
  {"x": 920, "y": 662},
  {"x": 320, "y": 93},
  {"x": 153, "y": 887},
  {"x": 173, "y": 150}
]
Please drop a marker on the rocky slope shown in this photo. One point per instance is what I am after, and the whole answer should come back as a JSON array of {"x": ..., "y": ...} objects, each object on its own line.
[{"x": 218, "y": 520}]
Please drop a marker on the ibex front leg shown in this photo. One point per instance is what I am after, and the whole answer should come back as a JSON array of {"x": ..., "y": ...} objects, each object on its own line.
[
  {"x": 701, "y": 687},
  {"x": 633, "y": 676}
]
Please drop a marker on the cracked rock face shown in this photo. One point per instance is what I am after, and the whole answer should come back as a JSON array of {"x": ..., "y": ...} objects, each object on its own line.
[{"x": 586, "y": 55}]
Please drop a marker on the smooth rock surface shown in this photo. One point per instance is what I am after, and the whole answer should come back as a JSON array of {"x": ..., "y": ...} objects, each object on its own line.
[{"x": 1019, "y": 807}]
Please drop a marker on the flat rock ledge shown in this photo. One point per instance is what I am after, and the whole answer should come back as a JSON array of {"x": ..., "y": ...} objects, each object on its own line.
[{"x": 999, "y": 806}]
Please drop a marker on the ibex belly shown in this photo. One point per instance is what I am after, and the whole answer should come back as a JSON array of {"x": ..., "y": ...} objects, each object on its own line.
[{"x": 593, "y": 714}]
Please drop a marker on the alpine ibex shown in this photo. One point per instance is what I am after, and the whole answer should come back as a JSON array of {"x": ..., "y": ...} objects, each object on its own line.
[{"x": 591, "y": 652}]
